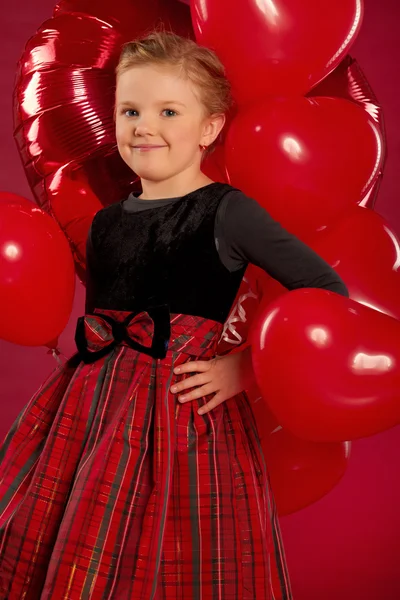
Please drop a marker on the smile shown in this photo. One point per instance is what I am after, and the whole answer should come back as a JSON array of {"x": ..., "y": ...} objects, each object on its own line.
[{"x": 147, "y": 148}]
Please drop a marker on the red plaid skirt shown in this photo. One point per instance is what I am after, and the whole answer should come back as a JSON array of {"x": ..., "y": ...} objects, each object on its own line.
[{"x": 112, "y": 489}]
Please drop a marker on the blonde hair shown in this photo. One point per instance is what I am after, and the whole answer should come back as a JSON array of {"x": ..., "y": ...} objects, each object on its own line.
[{"x": 199, "y": 64}]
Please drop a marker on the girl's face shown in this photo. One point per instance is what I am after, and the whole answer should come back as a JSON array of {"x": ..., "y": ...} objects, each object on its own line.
[{"x": 160, "y": 123}]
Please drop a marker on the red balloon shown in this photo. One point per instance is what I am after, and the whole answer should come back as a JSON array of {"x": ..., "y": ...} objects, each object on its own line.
[
  {"x": 67, "y": 68},
  {"x": 305, "y": 160},
  {"x": 276, "y": 48},
  {"x": 328, "y": 367},
  {"x": 270, "y": 288},
  {"x": 37, "y": 277},
  {"x": 365, "y": 252},
  {"x": 302, "y": 472},
  {"x": 10, "y": 198},
  {"x": 214, "y": 165},
  {"x": 74, "y": 203},
  {"x": 348, "y": 81},
  {"x": 256, "y": 287}
]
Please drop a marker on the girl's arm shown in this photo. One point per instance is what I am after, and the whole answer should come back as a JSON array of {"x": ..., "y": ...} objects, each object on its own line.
[{"x": 248, "y": 233}]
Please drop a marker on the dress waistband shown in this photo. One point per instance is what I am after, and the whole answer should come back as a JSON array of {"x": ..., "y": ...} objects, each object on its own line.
[{"x": 153, "y": 332}]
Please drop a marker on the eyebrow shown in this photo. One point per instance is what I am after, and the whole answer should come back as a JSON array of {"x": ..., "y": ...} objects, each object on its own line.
[{"x": 164, "y": 102}]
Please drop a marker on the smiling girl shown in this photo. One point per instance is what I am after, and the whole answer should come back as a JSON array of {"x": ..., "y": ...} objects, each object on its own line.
[{"x": 113, "y": 483}]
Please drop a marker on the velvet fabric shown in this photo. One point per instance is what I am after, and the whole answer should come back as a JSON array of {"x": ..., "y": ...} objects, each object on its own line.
[{"x": 161, "y": 256}]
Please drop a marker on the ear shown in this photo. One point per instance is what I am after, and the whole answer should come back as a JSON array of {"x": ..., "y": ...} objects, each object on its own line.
[{"x": 212, "y": 128}]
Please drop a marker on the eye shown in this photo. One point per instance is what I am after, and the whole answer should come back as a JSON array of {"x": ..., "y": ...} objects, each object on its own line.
[
  {"x": 130, "y": 110},
  {"x": 168, "y": 112}
]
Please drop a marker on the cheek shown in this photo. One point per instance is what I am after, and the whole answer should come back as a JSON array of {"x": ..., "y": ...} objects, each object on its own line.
[
  {"x": 185, "y": 136},
  {"x": 121, "y": 130}
]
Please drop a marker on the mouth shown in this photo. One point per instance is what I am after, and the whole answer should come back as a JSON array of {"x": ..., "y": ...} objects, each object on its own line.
[{"x": 146, "y": 148}]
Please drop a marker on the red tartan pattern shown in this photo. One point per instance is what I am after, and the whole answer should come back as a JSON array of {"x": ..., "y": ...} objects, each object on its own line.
[{"x": 111, "y": 489}]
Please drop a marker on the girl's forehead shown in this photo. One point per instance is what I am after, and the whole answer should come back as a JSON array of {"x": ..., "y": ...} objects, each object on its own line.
[
  {"x": 153, "y": 83},
  {"x": 153, "y": 75}
]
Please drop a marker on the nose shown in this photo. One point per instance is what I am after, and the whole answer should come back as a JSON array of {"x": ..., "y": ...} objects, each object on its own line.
[{"x": 144, "y": 125}]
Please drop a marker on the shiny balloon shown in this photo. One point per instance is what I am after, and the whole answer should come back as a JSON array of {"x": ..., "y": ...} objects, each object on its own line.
[
  {"x": 63, "y": 107},
  {"x": 306, "y": 160},
  {"x": 302, "y": 472},
  {"x": 365, "y": 251},
  {"x": 327, "y": 366},
  {"x": 37, "y": 277},
  {"x": 214, "y": 165},
  {"x": 276, "y": 48},
  {"x": 10, "y": 198},
  {"x": 348, "y": 81}
]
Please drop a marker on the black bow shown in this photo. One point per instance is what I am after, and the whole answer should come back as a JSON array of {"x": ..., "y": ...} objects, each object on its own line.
[{"x": 160, "y": 316}]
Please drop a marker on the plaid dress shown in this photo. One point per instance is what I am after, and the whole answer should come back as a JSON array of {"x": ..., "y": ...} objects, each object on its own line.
[{"x": 112, "y": 489}]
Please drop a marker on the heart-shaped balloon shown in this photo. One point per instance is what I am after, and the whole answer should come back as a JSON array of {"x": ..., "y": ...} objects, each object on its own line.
[
  {"x": 276, "y": 48},
  {"x": 365, "y": 251},
  {"x": 307, "y": 159},
  {"x": 66, "y": 136},
  {"x": 327, "y": 366}
]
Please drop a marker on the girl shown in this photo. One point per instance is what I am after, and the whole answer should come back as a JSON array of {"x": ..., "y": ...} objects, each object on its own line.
[{"x": 114, "y": 483}]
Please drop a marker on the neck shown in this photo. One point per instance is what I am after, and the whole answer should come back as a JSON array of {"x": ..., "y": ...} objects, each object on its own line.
[{"x": 172, "y": 188}]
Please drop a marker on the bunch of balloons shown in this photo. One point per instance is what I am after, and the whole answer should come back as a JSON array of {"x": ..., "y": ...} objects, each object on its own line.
[
  {"x": 37, "y": 275},
  {"x": 306, "y": 140}
]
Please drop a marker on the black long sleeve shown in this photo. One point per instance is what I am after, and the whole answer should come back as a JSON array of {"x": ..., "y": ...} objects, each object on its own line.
[{"x": 245, "y": 232}]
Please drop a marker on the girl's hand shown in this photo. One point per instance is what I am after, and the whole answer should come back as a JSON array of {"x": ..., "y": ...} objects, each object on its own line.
[{"x": 224, "y": 376}]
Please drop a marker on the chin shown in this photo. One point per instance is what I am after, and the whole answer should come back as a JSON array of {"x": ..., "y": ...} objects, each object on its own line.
[{"x": 151, "y": 174}]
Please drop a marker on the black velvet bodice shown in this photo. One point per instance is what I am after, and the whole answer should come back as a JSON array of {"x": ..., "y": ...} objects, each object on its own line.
[{"x": 161, "y": 256}]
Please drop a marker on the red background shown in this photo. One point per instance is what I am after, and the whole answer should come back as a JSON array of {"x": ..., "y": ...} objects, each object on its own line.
[{"x": 346, "y": 546}]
